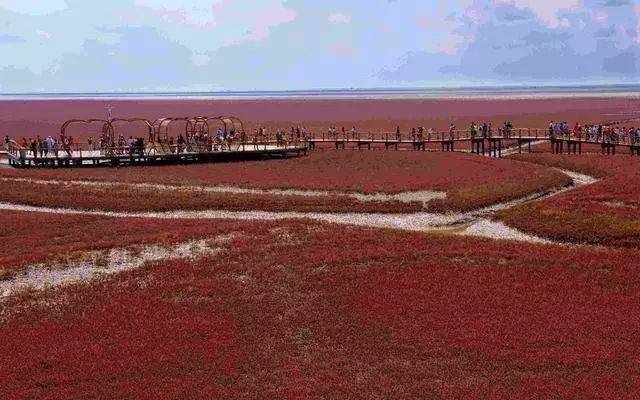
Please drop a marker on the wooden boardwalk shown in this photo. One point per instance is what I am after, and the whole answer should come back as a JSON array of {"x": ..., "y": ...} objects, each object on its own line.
[
  {"x": 490, "y": 145},
  {"x": 20, "y": 157},
  {"x": 495, "y": 146}
]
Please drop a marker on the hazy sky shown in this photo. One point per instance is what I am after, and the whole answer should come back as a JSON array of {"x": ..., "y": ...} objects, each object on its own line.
[{"x": 178, "y": 45}]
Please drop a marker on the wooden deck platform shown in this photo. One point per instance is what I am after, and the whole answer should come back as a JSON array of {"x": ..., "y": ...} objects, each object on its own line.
[
  {"x": 492, "y": 145},
  {"x": 22, "y": 158}
]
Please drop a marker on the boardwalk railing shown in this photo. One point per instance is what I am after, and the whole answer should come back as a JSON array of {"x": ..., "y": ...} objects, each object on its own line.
[
  {"x": 79, "y": 153},
  {"x": 438, "y": 136},
  {"x": 478, "y": 139}
]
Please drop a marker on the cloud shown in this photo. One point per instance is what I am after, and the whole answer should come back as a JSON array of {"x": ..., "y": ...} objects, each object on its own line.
[
  {"x": 267, "y": 18},
  {"x": 44, "y": 34},
  {"x": 33, "y": 7},
  {"x": 547, "y": 11},
  {"x": 345, "y": 50},
  {"x": 616, "y": 3},
  {"x": 246, "y": 20},
  {"x": 624, "y": 63},
  {"x": 286, "y": 44},
  {"x": 339, "y": 18},
  {"x": 194, "y": 13},
  {"x": 10, "y": 39},
  {"x": 200, "y": 60}
]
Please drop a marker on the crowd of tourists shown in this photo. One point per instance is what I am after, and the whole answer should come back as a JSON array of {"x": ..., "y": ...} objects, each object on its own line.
[
  {"x": 595, "y": 133},
  {"x": 120, "y": 146},
  {"x": 44, "y": 148},
  {"x": 295, "y": 135},
  {"x": 334, "y": 132},
  {"x": 422, "y": 133},
  {"x": 203, "y": 141},
  {"x": 40, "y": 147}
]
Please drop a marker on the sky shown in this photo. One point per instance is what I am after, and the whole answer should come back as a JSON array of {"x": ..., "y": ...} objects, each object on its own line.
[{"x": 65, "y": 46}]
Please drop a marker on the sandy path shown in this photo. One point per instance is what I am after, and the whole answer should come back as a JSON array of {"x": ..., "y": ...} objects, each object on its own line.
[
  {"x": 423, "y": 196},
  {"x": 94, "y": 265},
  {"x": 422, "y": 221},
  {"x": 419, "y": 222}
]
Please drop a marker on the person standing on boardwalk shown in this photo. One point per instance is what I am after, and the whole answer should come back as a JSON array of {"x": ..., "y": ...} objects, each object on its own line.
[
  {"x": 45, "y": 146},
  {"x": 39, "y": 145},
  {"x": 33, "y": 146},
  {"x": 398, "y": 134},
  {"x": 180, "y": 143},
  {"x": 54, "y": 147}
]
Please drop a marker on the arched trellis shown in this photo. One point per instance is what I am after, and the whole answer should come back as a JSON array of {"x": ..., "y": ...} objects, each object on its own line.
[
  {"x": 161, "y": 127},
  {"x": 194, "y": 125},
  {"x": 106, "y": 132},
  {"x": 148, "y": 123},
  {"x": 232, "y": 123},
  {"x": 197, "y": 126}
]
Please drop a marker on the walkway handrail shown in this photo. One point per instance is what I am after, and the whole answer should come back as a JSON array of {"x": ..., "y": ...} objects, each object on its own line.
[
  {"x": 14, "y": 149},
  {"x": 86, "y": 150}
]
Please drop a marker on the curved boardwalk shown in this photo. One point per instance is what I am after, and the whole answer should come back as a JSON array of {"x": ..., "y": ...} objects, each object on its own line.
[{"x": 87, "y": 155}]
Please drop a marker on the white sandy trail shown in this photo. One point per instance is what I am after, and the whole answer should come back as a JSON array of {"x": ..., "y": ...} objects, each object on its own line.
[
  {"x": 423, "y": 196},
  {"x": 578, "y": 178},
  {"x": 499, "y": 231},
  {"x": 420, "y": 222},
  {"x": 97, "y": 264},
  {"x": 480, "y": 226}
]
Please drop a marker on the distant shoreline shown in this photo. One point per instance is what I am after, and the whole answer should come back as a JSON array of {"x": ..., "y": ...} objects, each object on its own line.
[{"x": 475, "y": 93}]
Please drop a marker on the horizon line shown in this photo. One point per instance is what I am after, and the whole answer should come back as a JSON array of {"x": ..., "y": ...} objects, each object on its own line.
[{"x": 334, "y": 90}]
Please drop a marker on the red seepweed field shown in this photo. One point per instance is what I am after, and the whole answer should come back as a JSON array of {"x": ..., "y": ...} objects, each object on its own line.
[
  {"x": 297, "y": 309},
  {"x": 606, "y": 212},
  {"x": 278, "y": 315},
  {"x": 469, "y": 182}
]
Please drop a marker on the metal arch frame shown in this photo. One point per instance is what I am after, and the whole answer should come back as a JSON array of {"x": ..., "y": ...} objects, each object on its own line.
[
  {"x": 156, "y": 129},
  {"x": 132, "y": 120},
  {"x": 159, "y": 129},
  {"x": 237, "y": 124},
  {"x": 164, "y": 124},
  {"x": 230, "y": 123},
  {"x": 197, "y": 125},
  {"x": 220, "y": 119},
  {"x": 107, "y": 128}
]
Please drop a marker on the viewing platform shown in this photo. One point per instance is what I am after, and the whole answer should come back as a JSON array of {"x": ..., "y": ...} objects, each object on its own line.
[
  {"x": 20, "y": 157},
  {"x": 201, "y": 146},
  {"x": 197, "y": 141}
]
